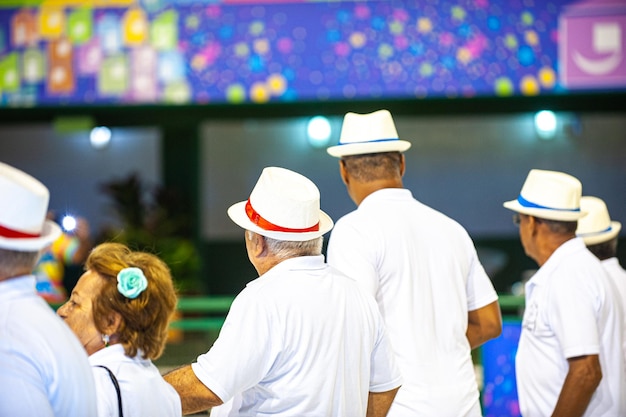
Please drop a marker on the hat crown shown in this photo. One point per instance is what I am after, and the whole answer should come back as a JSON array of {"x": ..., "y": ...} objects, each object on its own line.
[
  {"x": 286, "y": 199},
  {"x": 552, "y": 190},
  {"x": 550, "y": 195},
  {"x": 596, "y": 227},
  {"x": 376, "y": 126},
  {"x": 26, "y": 204},
  {"x": 597, "y": 218},
  {"x": 283, "y": 205},
  {"x": 368, "y": 133}
]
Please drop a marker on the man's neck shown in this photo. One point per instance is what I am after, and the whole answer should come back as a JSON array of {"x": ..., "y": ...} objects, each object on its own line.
[
  {"x": 549, "y": 245},
  {"x": 15, "y": 274},
  {"x": 364, "y": 189}
]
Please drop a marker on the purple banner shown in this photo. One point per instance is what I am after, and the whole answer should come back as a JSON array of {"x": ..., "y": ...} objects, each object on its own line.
[
  {"x": 593, "y": 38},
  {"x": 205, "y": 52}
]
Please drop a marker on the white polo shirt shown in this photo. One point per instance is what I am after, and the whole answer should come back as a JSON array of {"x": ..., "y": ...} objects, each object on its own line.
[
  {"x": 44, "y": 370},
  {"x": 571, "y": 311},
  {"x": 301, "y": 340},
  {"x": 423, "y": 269}
]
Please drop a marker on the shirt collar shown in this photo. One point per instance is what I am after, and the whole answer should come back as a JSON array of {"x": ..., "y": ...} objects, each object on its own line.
[
  {"x": 388, "y": 194},
  {"x": 563, "y": 251},
  {"x": 18, "y": 287},
  {"x": 611, "y": 262},
  {"x": 113, "y": 354},
  {"x": 297, "y": 263}
]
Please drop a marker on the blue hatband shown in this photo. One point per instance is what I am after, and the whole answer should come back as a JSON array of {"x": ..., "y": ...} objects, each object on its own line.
[{"x": 528, "y": 204}]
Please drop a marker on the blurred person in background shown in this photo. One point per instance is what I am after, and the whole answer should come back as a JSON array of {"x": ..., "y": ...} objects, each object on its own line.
[
  {"x": 600, "y": 234},
  {"x": 69, "y": 249}
]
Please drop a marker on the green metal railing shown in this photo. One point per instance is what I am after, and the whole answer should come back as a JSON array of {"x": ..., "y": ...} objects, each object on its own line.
[
  {"x": 209, "y": 312},
  {"x": 511, "y": 301},
  {"x": 202, "y": 313}
]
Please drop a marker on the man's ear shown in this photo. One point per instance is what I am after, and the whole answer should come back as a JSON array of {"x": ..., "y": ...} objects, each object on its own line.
[
  {"x": 343, "y": 171},
  {"x": 262, "y": 244},
  {"x": 534, "y": 225},
  {"x": 258, "y": 245},
  {"x": 402, "y": 164}
]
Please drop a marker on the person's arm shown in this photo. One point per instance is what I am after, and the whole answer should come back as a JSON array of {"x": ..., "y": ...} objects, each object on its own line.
[
  {"x": 583, "y": 377},
  {"x": 194, "y": 395},
  {"x": 484, "y": 324},
  {"x": 378, "y": 403}
]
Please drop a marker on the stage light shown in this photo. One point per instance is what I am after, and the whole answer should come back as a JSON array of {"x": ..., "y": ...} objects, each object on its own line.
[
  {"x": 68, "y": 223},
  {"x": 318, "y": 131},
  {"x": 545, "y": 124},
  {"x": 100, "y": 137}
]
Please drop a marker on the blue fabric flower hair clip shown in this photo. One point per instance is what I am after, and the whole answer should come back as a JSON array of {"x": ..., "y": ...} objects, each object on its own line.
[{"x": 131, "y": 282}]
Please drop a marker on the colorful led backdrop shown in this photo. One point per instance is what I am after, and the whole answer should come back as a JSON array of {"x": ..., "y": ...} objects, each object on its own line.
[{"x": 64, "y": 52}]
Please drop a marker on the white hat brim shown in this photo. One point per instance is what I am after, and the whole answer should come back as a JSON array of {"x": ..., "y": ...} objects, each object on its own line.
[
  {"x": 50, "y": 232},
  {"x": 549, "y": 214},
  {"x": 601, "y": 237},
  {"x": 237, "y": 213},
  {"x": 363, "y": 148}
]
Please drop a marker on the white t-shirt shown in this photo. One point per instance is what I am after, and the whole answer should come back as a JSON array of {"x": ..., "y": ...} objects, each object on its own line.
[
  {"x": 423, "y": 269},
  {"x": 44, "y": 370},
  {"x": 618, "y": 275},
  {"x": 301, "y": 340},
  {"x": 144, "y": 391},
  {"x": 570, "y": 311}
]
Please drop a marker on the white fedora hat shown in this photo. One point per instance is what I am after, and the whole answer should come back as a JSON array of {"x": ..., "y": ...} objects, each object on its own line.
[
  {"x": 549, "y": 195},
  {"x": 596, "y": 227},
  {"x": 283, "y": 205},
  {"x": 368, "y": 133},
  {"x": 23, "y": 224}
]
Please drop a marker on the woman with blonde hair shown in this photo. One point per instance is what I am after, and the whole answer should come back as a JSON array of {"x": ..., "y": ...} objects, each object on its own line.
[{"x": 120, "y": 310}]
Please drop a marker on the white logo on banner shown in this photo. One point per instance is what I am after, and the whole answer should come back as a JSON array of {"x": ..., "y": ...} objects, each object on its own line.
[{"x": 607, "y": 39}]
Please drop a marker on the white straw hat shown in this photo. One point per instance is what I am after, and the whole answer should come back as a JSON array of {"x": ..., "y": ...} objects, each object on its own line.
[
  {"x": 283, "y": 205},
  {"x": 368, "y": 133},
  {"x": 549, "y": 195},
  {"x": 23, "y": 224},
  {"x": 596, "y": 227}
]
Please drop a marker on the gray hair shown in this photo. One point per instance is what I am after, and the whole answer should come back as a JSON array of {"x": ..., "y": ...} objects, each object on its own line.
[
  {"x": 285, "y": 249},
  {"x": 13, "y": 262}
]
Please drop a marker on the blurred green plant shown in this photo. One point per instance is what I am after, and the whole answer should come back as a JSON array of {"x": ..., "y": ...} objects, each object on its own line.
[{"x": 157, "y": 220}]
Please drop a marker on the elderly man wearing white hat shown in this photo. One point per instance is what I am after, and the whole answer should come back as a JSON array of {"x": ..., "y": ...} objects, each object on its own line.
[
  {"x": 422, "y": 267},
  {"x": 569, "y": 360},
  {"x": 600, "y": 234},
  {"x": 301, "y": 340},
  {"x": 44, "y": 370}
]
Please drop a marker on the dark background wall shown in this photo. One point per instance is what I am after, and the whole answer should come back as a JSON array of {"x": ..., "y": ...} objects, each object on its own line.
[{"x": 467, "y": 158}]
